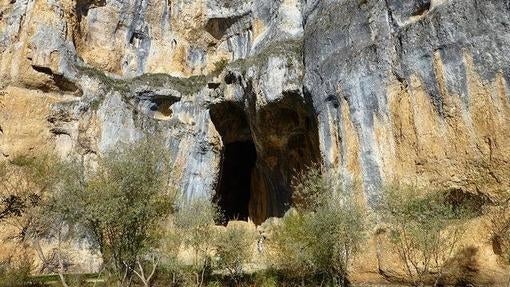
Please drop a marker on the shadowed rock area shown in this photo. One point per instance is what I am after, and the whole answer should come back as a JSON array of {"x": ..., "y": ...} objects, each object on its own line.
[{"x": 260, "y": 155}]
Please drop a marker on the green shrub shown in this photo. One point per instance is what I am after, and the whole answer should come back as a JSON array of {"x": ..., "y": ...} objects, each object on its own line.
[
  {"x": 265, "y": 279},
  {"x": 195, "y": 224},
  {"x": 125, "y": 87},
  {"x": 234, "y": 250},
  {"x": 214, "y": 284},
  {"x": 312, "y": 188},
  {"x": 292, "y": 50},
  {"x": 120, "y": 206},
  {"x": 77, "y": 280},
  {"x": 170, "y": 268},
  {"x": 23, "y": 182},
  {"x": 17, "y": 274},
  {"x": 320, "y": 237},
  {"x": 425, "y": 230},
  {"x": 219, "y": 66}
]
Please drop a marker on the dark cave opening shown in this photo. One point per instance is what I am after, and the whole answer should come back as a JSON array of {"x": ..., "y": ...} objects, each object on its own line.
[
  {"x": 238, "y": 159},
  {"x": 235, "y": 184},
  {"x": 261, "y": 151}
]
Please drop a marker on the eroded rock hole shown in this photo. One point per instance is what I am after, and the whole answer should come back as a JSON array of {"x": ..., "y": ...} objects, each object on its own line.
[
  {"x": 422, "y": 7},
  {"x": 218, "y": 27},
  {"x": 161, "y": 109},
  {"x": 59, "y": 81}
]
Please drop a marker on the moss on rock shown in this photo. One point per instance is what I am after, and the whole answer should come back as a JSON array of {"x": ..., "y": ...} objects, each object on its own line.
[
  {"x": 289, "y": 49},
  {"x": 186, "y": 86}
]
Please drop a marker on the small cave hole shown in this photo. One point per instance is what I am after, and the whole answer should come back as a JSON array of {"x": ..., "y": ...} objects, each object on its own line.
[
  {"x": 161, "y": 109},
  {"x": 213, "y": 86},
  {"x": 422, "y": 8},
  {"x": 218, "y": 27},
  {"x": 230, "y": 78}
]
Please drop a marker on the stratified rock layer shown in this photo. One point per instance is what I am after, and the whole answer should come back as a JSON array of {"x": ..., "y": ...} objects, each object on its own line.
[{"x": 246, "y": 93}]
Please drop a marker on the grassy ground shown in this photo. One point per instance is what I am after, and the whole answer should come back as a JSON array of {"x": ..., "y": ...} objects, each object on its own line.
[{"x": 88, "y": 279}]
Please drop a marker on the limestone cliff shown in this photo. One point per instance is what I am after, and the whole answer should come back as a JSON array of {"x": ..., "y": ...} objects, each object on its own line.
[{"x": 246, "y": 92}]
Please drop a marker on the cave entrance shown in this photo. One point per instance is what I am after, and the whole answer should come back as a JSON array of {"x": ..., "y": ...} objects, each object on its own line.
[
  {"x": 238, "y": 160},
  {"x": 234, "y": 189},
  {"x": 261, "y": 152}
]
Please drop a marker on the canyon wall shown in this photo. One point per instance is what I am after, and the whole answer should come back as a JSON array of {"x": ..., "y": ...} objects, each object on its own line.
[{"x": 246, "y": 93}]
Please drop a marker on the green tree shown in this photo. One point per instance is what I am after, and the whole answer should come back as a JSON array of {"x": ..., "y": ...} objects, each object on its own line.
[
  {"x": 23, "y": 182},
  {"x": 195, "y": 222},
  {"x": 119, "y": 206},
  {"x": 171, "y": 264},
  {"x": 17, "y": 272},
  {"x": 425, "y": 230}
]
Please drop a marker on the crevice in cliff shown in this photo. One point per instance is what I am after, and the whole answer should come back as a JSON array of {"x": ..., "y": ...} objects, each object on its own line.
[
  {"x": 60, "y": 81},
  {"x": 81, "y": 9},
  {"x": 218, "y": 27},
  {"x": 287, "y": 133},
  {"x": 157, "y": 106},
  {"x": 422, "y": 9}
]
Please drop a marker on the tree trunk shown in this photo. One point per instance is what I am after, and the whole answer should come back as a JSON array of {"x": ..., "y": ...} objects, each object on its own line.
[{"x": 61, "y": 270}]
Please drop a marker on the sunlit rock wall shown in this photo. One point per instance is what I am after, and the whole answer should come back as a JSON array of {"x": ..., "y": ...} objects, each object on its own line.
[
  {"x": 412, "y": 91},
  {"x": 387, "y": 91}
]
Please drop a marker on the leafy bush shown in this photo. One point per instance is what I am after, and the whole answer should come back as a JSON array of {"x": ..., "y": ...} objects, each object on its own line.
[
  {"x": 234, "y": 250},
  {"x": 266, "y": 279},
  {"x": 171, "y": 267},
  {"x": 195, "y": 223},
  {"x": 310, "y": 188},
  {"x": 17, "y": 274},
  {"x": 425, "y": 230},
  {"x": 23, "y": 181},
  {"x": 319, "y": 239},
  {"x": 219, "y": 66}
]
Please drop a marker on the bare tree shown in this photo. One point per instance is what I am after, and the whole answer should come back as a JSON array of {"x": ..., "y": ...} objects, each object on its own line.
[{"x": 152, "y": 260}]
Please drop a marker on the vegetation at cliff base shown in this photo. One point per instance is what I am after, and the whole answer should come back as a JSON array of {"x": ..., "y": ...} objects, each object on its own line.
[
  {"x": 319, "y": 238},
  {"x": 425, "y": 230},
  {"x": 119, "y": 207},
  {"x": 124, "y": 209}
]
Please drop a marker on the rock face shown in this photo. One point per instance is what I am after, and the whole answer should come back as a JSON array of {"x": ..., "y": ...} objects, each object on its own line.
[
  {"x": 246, "y": 93},
  {"x": 412, "y": 90}
]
